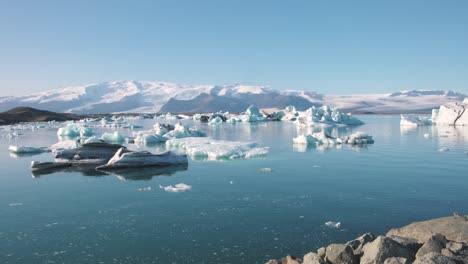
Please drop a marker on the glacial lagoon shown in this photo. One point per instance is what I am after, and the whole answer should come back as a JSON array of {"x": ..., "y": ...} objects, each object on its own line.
[{"x": 236, "y": 211}]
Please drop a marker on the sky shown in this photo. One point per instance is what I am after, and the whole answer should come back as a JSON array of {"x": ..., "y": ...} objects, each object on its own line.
[{"x": 332, "y": 47}]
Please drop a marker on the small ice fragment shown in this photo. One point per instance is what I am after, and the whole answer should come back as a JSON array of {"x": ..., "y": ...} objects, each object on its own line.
[
  {"x": 113, "y": 137},
  {"x": 333, "y": 224},
  {"x": 16, "y": 204},
  {"x": 29, "y": 150},
  {"x": 231, "y": 182},
  {"x": 301, "y": 216},
  {"x": 427, "y": 135},
  {"x": 444, "y": 149},
  {"x": 266, "y": 170},
  {"x": 181, "y": 187},
  {"x": 148, "y": 188}
]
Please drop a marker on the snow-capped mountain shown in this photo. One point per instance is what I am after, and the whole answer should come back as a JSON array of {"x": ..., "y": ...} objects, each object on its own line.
[{"x": 153, "y": 97}]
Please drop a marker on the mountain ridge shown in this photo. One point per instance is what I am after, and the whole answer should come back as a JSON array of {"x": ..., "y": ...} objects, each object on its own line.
[{"x": 154, "y": 97}]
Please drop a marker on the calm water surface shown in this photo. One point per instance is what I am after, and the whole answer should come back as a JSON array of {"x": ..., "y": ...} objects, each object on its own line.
[{"x": 234, "y": 212}]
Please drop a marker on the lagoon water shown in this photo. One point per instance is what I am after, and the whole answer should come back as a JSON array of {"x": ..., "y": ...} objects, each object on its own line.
[{"x": 234, "y": 213}]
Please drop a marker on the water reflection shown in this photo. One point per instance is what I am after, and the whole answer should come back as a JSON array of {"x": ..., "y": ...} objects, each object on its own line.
[
  {"x": 88, "y": 169},
  {"x": 146, "y": 174}
]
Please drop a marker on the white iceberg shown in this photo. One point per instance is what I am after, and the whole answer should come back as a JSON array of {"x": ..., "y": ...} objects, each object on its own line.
[
  {"x": 183, "y": 131},
  {"x": 124, "y": 158},
  {"x": 333, "y": 224},
  {"x": 181, "y": 187},
  {"x": 216, "y": 149},
  {"x": 454, "y": 114},
  {"x": 358, "y": 138},
  {"x": 326, "y": 115},
  {"x": 113, "y": 137},
  {"x": 28, "y": 150},
  {"x": 66, "y": 144},
  {"x": 74, "y": 130},
  {"x": 147, "y": 139},
  {"x": 415, "y": 120},
  {"x": 322, "y": 139},
  {"x": 252, "y": 114}
]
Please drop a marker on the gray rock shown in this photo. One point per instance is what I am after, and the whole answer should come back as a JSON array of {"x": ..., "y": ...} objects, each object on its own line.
[
  {"x": 289, "y": 260},
  {"x": 397, "y": 260},
  {"x": 409, "y": 243},
  {"x": 340, "y": 254},
  {"x": 454, "y": 228},
  {"x": 321, "y": 252},
  {"x": 312, "y": 258},
  {"x": 382, "y": 248},
  {"x": 447, "y": 253},
  {"x": 454, "y": 246},
  {"x": 359, "y": 242},
  {"x": 434, "y": 258},
  {"x": 434, "y": 244}
]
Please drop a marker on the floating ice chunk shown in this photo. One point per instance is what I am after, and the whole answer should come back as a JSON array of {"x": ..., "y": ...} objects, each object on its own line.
[
  {"x": 216, "y": 149},
  {"x": 29, "y": 150},
  {"x": 113, "y": 137},
  {"x": 252, "y": 114},
  {"x": 182, "y": 131},
  {"x": 266, "y": 170},
  {"x": 161, "y": 129},
  {"x": 146, "y": 139},
  {"x": 358, "y": 138},
  {"x": 415, "y": 120},
  {"x": 15, "y": 204},
  {"x": 74, "y": 130},
  {"x": 66, "y": 144},
  {"x": 148, "y": 188},
  {"x": 326, "y": 115},
  {"x": 454, "y": 114},
  {"x": 96, "y": 150},
  {"x": 216, "y": 120},
  {"x": 333, "y": 224},
  {"x": 427, "y": 135},
  {"x": 444, "y": 149},
  {"x": 92, "y": 139},
  {"x": 124, "y": 158},
  {"x": 320, "y": 138},
  {"x": 181, "y": 187}
]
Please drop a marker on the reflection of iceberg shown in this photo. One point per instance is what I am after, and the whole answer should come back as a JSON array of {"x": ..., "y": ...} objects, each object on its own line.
[
  {"x": 212, "y": 149},
  {"x": 136, "y": 174},
  {"x": 129, "y": 159},
  {"x": 85, "y": 167}
]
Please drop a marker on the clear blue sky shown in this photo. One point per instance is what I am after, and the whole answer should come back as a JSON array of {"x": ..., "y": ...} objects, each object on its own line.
[{"x": 333, "y": 47}]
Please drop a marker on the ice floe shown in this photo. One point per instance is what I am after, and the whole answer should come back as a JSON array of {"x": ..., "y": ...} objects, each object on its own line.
[
  {"x": 455, "y": 114},
  {"x": 124, "y": 158},
  {"x": 95, "y": 150},
  {"x": 183, "y": 131},
  {"x": 415, "y": 120},
  {"x": 333, "y": 224},
  {"x": 208, "y": 148},
  {"x": 326, "y": 115},
  {"x": 180, "y": 187},
  {"x": 74, "y": 130},
  {"x": 115, "y": 137},
  {"x": 321, "y": 138},
  {"x": 28, "y": 150}
]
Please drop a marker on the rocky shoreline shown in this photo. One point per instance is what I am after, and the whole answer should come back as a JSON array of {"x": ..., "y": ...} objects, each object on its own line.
[{"x": 437, "y": 241}]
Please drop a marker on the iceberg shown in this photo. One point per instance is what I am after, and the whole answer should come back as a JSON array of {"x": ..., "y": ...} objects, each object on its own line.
[
  {"x": 124, "y": 158},
  {"x": 321, "y": 138},
  {"x": 415, "y": 120},
  {"x": 66, "y": 144},
  {"x": 28, "y": 150},
  {"x": 454, "y": 114},
  {"x": 147, "y": 139},
  {"x": 358, "y": 138},
  {"x": 211, "y": 149},
  {"x": 90, "y": 151},
  {"x": 326, "y": 115},
  {"x": 74, "y": 130},
  {"x": 252, "y": 114},
  {"x": 182, "y": 131},
  {"x": 113, "y": 137},
  {"x": 181, "y": 187}
]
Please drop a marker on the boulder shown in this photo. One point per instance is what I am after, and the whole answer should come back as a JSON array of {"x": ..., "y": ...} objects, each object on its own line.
[
  {"x": 434, "y": 244},
  {"x": 312, "y": 258},
  {"x": 289, "y": 260},
  {"x": 434, "y": 258},
  {"x": 359, "y": 242},
  {"x": 340, "y": 254},
  {"x": 321, "y": 252},
  {"x": 382, "y": 248},
  {"x": 454, "y": 228},
  {"x": 397, "y": 260},
  {"x": 409, "y": 243},
  {"x": 455, "y": 247}
]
